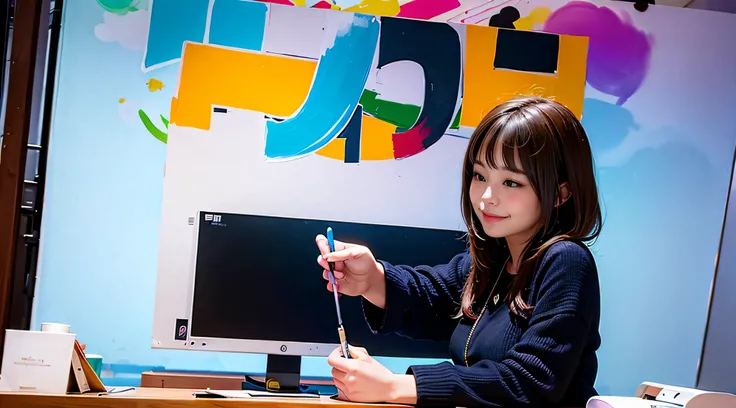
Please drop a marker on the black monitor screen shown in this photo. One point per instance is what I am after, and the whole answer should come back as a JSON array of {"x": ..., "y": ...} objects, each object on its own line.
[{"x": 257, "y": 278}]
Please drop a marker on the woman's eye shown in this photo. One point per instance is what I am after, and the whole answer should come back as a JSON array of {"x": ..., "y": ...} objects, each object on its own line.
[
  {"x": 478, "y": 176},
  {"x": 511, "y": 183}
]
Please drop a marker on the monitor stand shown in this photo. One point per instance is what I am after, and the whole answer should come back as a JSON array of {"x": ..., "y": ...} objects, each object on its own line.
[{"x": 283, "y": 374}]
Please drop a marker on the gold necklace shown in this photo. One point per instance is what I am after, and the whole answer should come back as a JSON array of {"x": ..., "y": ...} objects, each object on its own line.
[{"x": 485, "y": 306}]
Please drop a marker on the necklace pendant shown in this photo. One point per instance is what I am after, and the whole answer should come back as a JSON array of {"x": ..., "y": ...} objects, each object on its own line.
[{"x": 495, "y": 299}]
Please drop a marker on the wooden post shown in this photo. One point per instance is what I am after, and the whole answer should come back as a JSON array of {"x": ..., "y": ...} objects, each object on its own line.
[{"x": 18, "y": 109}]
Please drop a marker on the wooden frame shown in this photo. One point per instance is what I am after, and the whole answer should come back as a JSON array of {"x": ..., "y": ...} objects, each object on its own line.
[{"x": 17, "y": 126}]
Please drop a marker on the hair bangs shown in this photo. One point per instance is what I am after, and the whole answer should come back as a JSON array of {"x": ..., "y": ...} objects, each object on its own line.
[{"x": 508, "y": 139}]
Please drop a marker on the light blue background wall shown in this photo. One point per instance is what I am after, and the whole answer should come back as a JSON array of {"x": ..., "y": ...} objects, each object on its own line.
[{"x": 663, "y": 161}]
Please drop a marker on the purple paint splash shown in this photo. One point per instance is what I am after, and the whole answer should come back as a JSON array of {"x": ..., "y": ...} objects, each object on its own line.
[{"x": 618, "y": 52}]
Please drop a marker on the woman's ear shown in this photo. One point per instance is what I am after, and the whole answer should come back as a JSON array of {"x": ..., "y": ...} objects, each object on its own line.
[{"x": 563, "y": 194}]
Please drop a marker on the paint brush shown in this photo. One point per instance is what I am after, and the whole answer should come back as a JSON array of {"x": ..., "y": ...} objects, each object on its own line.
[{"x": 340, "y": 328}]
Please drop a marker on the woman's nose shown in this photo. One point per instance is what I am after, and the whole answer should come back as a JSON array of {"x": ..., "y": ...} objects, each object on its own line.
[{"x": 488, "y": 193}]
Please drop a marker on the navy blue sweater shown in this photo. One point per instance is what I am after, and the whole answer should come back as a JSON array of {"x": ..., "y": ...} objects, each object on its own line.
[{"x": 546, "y": 360}]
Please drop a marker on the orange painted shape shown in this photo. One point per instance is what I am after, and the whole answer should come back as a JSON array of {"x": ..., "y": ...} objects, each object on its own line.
[
  {"x": 333, "y": 150},
  {"x": 376, "y": 140},
  {"x": 210, "y": 75},
  {"x": 486, "y": 87},
  {"x": 571, "y": 70}
]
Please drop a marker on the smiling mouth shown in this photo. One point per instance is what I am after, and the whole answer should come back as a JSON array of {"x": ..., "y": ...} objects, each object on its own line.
[{"x": 492, "y": 217}]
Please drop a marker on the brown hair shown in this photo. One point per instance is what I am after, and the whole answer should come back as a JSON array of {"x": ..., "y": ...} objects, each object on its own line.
[{"x": 553, "y": 149}]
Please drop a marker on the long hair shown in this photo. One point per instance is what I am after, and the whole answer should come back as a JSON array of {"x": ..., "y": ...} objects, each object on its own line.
[{"x": 553, "y": 148}]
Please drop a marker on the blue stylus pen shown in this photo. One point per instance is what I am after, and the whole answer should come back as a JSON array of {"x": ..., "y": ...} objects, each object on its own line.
[{"x": 340, "y": 329}]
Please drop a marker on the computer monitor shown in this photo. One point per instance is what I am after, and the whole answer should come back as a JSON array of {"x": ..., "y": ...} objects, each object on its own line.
[{"x": 257, "y": 287}]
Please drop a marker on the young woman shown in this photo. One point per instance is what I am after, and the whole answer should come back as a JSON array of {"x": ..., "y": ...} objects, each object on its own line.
[{"x": 520, "y": 308}]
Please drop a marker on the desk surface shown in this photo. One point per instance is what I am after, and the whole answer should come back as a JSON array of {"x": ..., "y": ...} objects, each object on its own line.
[{"x": 161, "y": 398}]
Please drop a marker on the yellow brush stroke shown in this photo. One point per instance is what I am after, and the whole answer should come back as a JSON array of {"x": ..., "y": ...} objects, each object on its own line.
[
  {"x": 299, "y": 2},
  {"x": 376, "y": 142},
  {"x": 333, "y": 150},
  {"x": 376, "y": 7},
  {"x": 274, "y": 85},
  {"x": 486, "y": 87},
  {"x": 537, "y": 16},
  {"x": 155, "y": 85}
]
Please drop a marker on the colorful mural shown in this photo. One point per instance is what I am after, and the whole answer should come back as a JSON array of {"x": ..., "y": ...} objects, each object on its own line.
[
  {"x": 617, "y": 63},
  {"x": 322, "y": 105},
  {"x": 232, "y": 53}
]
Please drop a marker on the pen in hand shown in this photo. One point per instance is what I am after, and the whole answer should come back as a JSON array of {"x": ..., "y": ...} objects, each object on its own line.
[{"x": 340, "y": 328}]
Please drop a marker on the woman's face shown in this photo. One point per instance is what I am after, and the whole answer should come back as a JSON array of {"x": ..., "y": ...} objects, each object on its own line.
[{"x": 504, "y": 201}]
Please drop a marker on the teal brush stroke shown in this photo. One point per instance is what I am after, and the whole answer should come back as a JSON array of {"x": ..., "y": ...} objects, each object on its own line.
[
  {"x": 342, "y": 72},
  {"x": 162, "y": 136}
]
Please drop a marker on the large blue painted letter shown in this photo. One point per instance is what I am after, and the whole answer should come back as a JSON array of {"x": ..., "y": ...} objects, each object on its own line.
[
  {"x": 339, "y": 81},
  {"x": 172, "y": 23},
  {"x": 238, "y": 24},
  {"x": 233, "y": 23}
]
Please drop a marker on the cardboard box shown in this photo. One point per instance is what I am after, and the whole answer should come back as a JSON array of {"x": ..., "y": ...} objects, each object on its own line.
[{"x": 197, "y": 381}]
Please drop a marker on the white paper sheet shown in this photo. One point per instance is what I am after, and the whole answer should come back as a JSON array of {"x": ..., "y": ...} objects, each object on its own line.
[
  {"x": 295, "y": 31},
  {"x": 626, "y": 402},
  {"x": 260, "y": 394}
]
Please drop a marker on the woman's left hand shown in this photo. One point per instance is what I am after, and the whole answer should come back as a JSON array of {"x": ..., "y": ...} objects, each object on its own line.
[{"x": 363, "y": 379}]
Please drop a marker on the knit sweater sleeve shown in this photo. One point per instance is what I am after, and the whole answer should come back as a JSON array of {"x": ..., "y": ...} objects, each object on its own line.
[
  {"x": 537, "y": 370},
  {"x": 420, "y": 301}
]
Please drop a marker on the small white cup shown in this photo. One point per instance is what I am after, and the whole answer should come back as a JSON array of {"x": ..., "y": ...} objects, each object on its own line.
[{"x": 55, "y": 327}]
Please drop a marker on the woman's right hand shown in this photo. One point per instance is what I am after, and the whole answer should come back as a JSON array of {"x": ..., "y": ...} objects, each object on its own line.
[{"x": 357, "y": 273}]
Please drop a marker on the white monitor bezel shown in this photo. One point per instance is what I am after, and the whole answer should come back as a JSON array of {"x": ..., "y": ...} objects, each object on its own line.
[{"x": 292, "y": 348}]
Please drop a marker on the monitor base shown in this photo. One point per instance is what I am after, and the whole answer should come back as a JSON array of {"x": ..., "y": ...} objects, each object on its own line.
[{"x": 283, "y": 374}]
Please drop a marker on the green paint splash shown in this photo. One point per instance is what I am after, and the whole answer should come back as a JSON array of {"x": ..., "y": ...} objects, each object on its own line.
[
  {"x": 123, "y": 7},
  {"x": 155, "y": 131},
  {"x": 401, "y": 115},
  {"x": 456, "y": 122}
]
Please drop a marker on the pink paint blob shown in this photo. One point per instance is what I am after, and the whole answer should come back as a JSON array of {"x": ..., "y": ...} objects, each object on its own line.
[
  {"x": 322, "y": 5},
  {"x": 426, "y": 9},
  {"x": 409, "y": 143},
  {"x": 285, "y": 2}
]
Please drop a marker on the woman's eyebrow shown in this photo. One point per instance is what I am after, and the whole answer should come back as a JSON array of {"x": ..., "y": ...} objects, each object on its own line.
[{"x": 516, "y": 171}]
